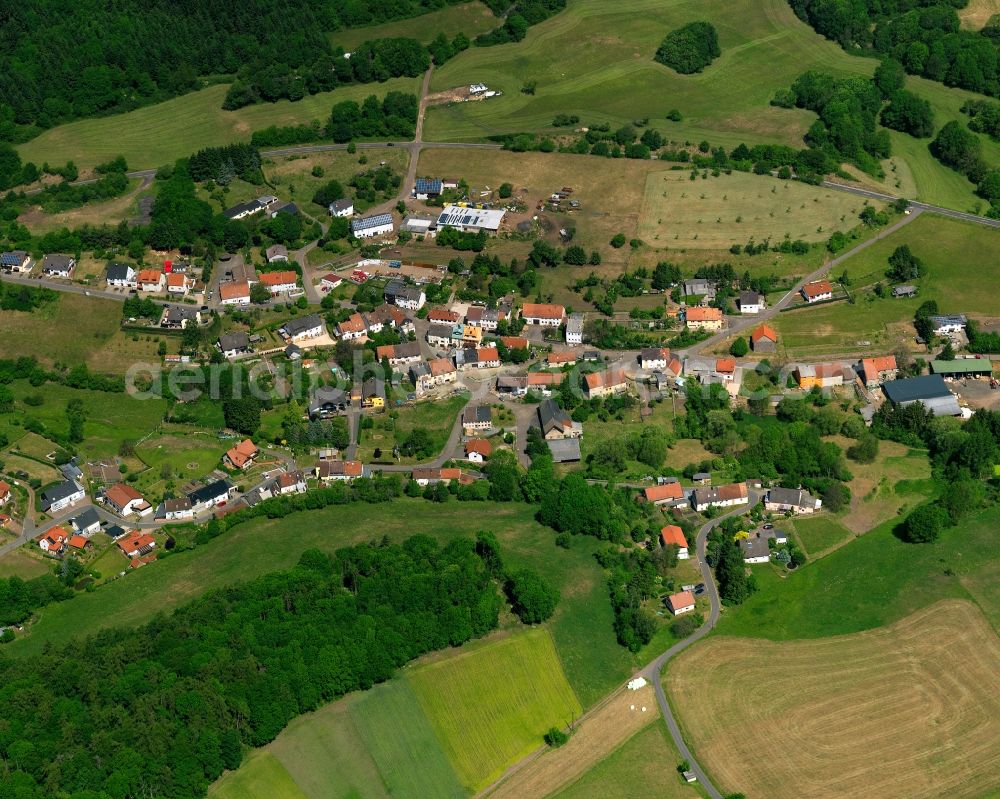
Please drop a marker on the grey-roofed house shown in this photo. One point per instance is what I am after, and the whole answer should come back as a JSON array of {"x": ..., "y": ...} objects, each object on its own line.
[
  {"x": 56, "y": 265},
  {"x": 477, "y": 418},
  {"x": 944, "y": 325},
  {"x": 440, "y": 335},
  {"x": 904, "y": 291},
  {"x": 62, "y": 495},
  {"x": 327, "y": 401},
  {"x": 87, "y": 522},
  {"x": 178, "y": 317},
  {"x": 243, "y": 210},
  {"x": 574, "y": 329},
  {"x": 699, "y": 286},
  {"x": 210, "y": 496},
  {"x": 412, "y": 298},
  {"x": 751, "y": 302},
  {"x": 303, "y": 327},
  {"x": 120, "y": 275},
  {"x": 233, "y": 344},
  {"x": 796, "y": 500},
  {"x": 293, "y": 352},
  {"x": 564, "y": 450},
  {"x": 343, "y": 207},
  {"x": 276, "y": 252},
  {"x": 555, "y": 423},
  {"x": 929, "y": 390},
  {"x": 392, "y": 289}
]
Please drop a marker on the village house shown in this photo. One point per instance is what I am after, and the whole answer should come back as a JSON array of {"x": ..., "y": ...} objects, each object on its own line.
[
  {"x": 544, "y": 315},
  {"x": 817, "y": 291},
  {"x": 821, "y": 375},
  {"x": 178, "y": 317},
  {"x": 242, "y": 455},
  {"x": 574, "y": 330},
  {"x": 276, "y": 252},
  {"x": 125, "y": 500},
  {"x": 948, "y": 325},
  {"x": 487, "y": 358},
  {"x": 543, "y": 382},
  {"x": 341, "y": 208},
  {"x": 150, "y": 280},
  {"x": 794, "y": 500},
  {"x": 235, "y": 293},
  {"x": 700, "y": 287},
  {"x": 426, "y": 188},
  {"x": 605, "y": 384},
  {"x": 331, "y": 470},
  {"x": 352, "y": 328},
  {"x": 373, "y": 394},
  {"x": 232, "y": 345},
  {"x": 119, "y": 275},
  {"x": 178, "y": 283},
  {"x": 471, "y": 220},
  {"x": 327, "y": 401},
  {"x": 399, "y": 354},
  {"x": 411, "y": 298},
  {"x": 703, "y": 319},
  {"x": 764, "y": 338},
  {"x": 53, "y": 541},
  {"x": 875, "y": 371},
  {"x": 290, "y": 483},
  {"x": 210, "y": 496},
  {"x": 557, "y": 360},
  {"x": 62, "y": 495},
  {"x": 723, "y": 496},
  {"x": 330, "y": 281},
  {"x": 58, "y": 265},
  {"x": 751, "y": 302},
  {"x": 419, "y": 374},
  {"x": 515, "y": 342},
  {"x": 280, "y": 282},
  {"x": 86, "y": 522},
  {"x": 555, "y": 423},
  {"x": 667, "y": 494},
  {"x": 243, "y": 210},
  {"x": 5, "y": 494},
  {"x": 440, "y": 335},
  {"x": 136, "y": 544},
  {"x": 176, "y": 509},
  {"x": 369, "y": 227},
  {"x": 425, "y": 477},
  {"x": 679, "y": 603},
  {"x": 477, "y": 419},
  {"x": 672, "y": 535},
  {"x": 443, "y": 316},
  {"x": 442, "y": 371},
  {"x": 15, "y": 261},
  {"x": 654, "y": 357},
  {"x": 303, "y": 328},
  {"x": 477, "y": 450},
  {"x": 726, "y": 368},
  {"x": 490, "y": 318}
]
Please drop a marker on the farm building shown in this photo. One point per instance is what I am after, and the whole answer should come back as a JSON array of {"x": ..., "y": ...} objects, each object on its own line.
[
  {"x": 369, "y": 227},
  {"x": 555, "y": 423},
  {"x": 565, "y": 450},
  {"x": 670, "y": 494},
  {"x": 654, "y": 357},
  {"x": 723, "y": 496},
  {"x": 764, "y": 338},
  {"x": 556, "y": 360},
  {"x": 470, "y": 220},
  {"x": 904, "y": 291},
  {"x": 751, "y": 302},
  {"x": 795, "y": 500},
  {"x": 929, "y": 390},
  {"x": 821, "y": 375},
  {"x": 966, "y": 367},
  {"x": 875, "y": 371},
  {"x": 426, "y": 188},
  {"x": 477, "y": 418},
  {"x": 419, "y": 226},
  {"x": 543, "y": 314},
  {"x": 700, "y": 287}
]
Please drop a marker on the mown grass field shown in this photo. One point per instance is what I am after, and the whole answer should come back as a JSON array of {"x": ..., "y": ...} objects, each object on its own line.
[
  {"x": 159, "y": 134},
  {"x": 96, "y": 213},
  {"x": 491, "y": 705},
  {"x": 645, "y": 763},
  {"x": 178, "y": 455},
  {"x": 260, "y": 777},
  {"x": 873, "y": 581},
  {"x": 20, "y": 564},
  {"x": 909, "y": 711},
  {"x": 817, "y": 534},
  {"x": 604, "y": 72},
  {"x": 732, "y": 209},
  {"x": 960, "y": 260},
  {"x": 468, "y": 18}
]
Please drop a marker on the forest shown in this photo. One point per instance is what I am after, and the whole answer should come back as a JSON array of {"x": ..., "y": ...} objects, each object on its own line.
[
  {"x": 924, "y": 36},
  {"x": 161, "y": 710},
  {"x": 61, "y": 61}
]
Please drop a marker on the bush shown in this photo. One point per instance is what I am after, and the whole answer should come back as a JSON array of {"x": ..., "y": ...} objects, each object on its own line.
[
  {"x": 618, "y": 241},
  {"x": 532, "y": 598},
  {"x": 739, "y": 348},
  {"x": 555, "y": 737},
  {"x": 686, "y": 625},
  {"x": 690, "y": 48},
  {"x": 924, "y": 524}
]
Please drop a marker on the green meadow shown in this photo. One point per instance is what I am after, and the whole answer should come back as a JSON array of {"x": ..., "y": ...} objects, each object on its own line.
[{"x": 468, "y": 18}]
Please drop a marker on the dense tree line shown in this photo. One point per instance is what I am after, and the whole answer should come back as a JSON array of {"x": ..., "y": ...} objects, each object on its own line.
[
  {"x": 19, "y": 598},
  {"x": 59, "y": 62},
  {"x": 395, "y": 116},
  {"x": 960, "y": 149},
  {"x": 163, "y": 709},
  {"x": 925, "y": 36},
  {"x": 690, "y": 48},
  {"x": 225, "y": 164},
  {"x": 520, "y": 15},
  {"x": 984, "y": 117}
]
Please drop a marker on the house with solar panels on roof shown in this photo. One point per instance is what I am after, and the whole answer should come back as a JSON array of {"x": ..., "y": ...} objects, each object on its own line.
[
  {"x": 470, "y": 220},
  {"x": 15, "y": 261},
  {"x": 368, "y": 227},
  {"x": 427, "y": 188}
]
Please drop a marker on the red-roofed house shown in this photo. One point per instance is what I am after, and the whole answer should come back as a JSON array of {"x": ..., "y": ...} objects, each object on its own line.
[
  {"x": 514, "y": 342},
  {"x": 280, "y": 282},
  {"x": 442, "y": 316},
  {"x": 817, "y": 291},
  {"x": 353, "y": 327},
  {"x": 150, "y": 280},
  {"x": 667, "y": 494},
  {"x": 125, "y": 500},
  {"x": 330, "y": 281},
  {"x": 235, "y": 293},
  {"x": 560, "y": 359},
  {"x": 875, "y": 371},
  {"x": 242, "y": 455},
  {"x": 79, "y": 542},
  {"x": 53, "y": 541},
  {"x": 478, "y": 450},
  {"x": 674, "y": 535},
  {"x": 178, "y": 283},
  {"x": 4, "y": 492},
  {"x": 604, "y": 384},
  {"x": 136, "y": 544},
  {"x": 543, "y": 314},
  {"x": 764, "y": 338},
  {"x": 726, "y": 367},
  {"x": 703, "y": 318},
  {"x": 681, "y": 603},
  {"x": 339, "y": 470}
]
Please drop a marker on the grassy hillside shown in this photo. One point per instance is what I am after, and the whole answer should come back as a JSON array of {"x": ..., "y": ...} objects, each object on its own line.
[
  {"x": 595, "y": 60},
  {"x": 159, "y": 134},
  {"x": 468, "y": 18}
]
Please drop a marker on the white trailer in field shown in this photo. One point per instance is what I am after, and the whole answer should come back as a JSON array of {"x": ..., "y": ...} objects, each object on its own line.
[{"x": 637, "y": 683}]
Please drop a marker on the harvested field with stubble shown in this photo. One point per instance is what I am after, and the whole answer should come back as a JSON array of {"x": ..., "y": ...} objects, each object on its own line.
[
  {"x": 909, "y": 711},
  {"x": 596, "y": 737}
]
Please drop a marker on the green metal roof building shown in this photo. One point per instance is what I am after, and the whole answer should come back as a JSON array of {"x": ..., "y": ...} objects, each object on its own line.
[{"x": 966, "y": 367}]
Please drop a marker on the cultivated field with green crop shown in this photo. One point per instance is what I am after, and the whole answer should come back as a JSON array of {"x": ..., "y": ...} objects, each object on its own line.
[
  {"x": 159, "y": 134},
  {"x": 260, "y": 777},
  {"x": 491, "y": 705}
]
